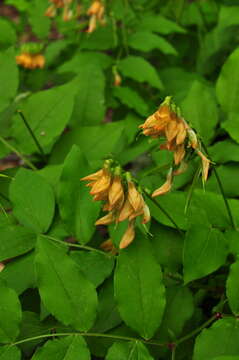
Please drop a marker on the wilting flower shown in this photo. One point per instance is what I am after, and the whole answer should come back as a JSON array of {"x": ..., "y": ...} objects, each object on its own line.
[
  {"x": 96, "y": 13},
  {"x": 180, "y": 138},
  {"x": 68, "y": 12},
  {"x": 108, "y": 246},
  {"x": 123, "y": 201}
]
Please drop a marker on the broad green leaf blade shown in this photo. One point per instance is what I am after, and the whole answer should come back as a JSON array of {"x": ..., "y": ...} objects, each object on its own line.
[
  {"x": 147, "y": 41},
  {"x": 160, "y": 24},
  {"x": 128, "y": 351},
  {"x": 89, "y": 108},
  {"x": 77, "y": 208},
  {"x": 200, "y": 109},
  {"x": 47, "y": 115},
  {"x": 65, "y": 292},
  {"x": 139, "y": 289},
  {"x": 10, "y": 353},
  {"x": 8, "y": 33},
  {"x": 228, "y": 175},
  {"x": 139, "y": 69},
  {"x": 68, "y": 348},
  {"x": 204, "y": 251},
  {"x": 20, "y": 273},
  {"x": 131, "y": 99},
  {"x": 222, "y": 338},
  {"x": 95, "y": 266},
  {"x": 8, "y": 77},
  {"x": 39, "y": 22},
  {"x": 227, "y": 87},
  {"x": 177, "y": 297},
  {"x": 10, "y": 314},
  {"x": 226, "y": 357},
  {"x": 15, "y": 241},
  {"x": 224, "y": 151},
  {"x": 232, "y": 288},
  {"x": 33, "y": 200},
  {"x": 108, "y": 316}
]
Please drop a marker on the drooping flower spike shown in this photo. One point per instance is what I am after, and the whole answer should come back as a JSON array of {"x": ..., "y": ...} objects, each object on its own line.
[
  {"x": 167, "y": 122},
  {"x": 70, "y": 9},
  {"x": 122, "y": 199},
  {"x": 30, "y": 56},
  {"x": 96, "y": 13}
]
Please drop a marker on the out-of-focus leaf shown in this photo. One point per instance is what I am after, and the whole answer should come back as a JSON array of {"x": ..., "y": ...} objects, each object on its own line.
[
  {"x": 224, "y": 151},
  {"x": 10, "y": 353},
  {"x": 8, "y": 77},
  {"x": 228, "y": 175},
  {"x": 147, "y": 41},
  {"x": 8, "y": 34},
  {"x": 89, "y": 105},
  {"x": 158, "y": 23},
  {"x": 132, "y": 99},
  {"x": 200, "y": 110},
  {"x": 139, "y": 69},
  {"x": 232, "y": 288},
  {"x": 39, "y": 22}
]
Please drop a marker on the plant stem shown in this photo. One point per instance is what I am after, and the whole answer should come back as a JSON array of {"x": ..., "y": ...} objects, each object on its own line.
[
  {"x": 109, "y": 336},
  {"x": 232, "y": 221},
  {"x": 84, "y": 247},
  {"x": 38, "y": 145},
  {"x": 10, "y": 147},
  {"x": 173, "y": 355},
  {"x": 163, "y": 211},
  {"x": 194, "y": 332}
]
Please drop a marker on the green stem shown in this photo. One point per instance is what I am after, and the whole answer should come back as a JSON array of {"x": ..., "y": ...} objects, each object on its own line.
[
  {"x": 84, "y": 247},
  {"x": 163, "y": 211},
  {"x": 10, "y": 147},
  {"x": 109, "y": 336},
  {"x": 196, "y": 331},
  {"x": 232, "y": 221},
  {"x": 173, "y": 355},
  {"x": 38, "y": 145}
]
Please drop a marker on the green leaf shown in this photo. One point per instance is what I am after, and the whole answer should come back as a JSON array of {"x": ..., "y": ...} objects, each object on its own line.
[
  {"x": 204, "y": 251},
  {"x": 10, "y": 353},
  {"x": 89, "y": 108},
  {"x": 200, "y": 104},
  {"x": 139, "y": 289},
  {"x": 39, "y": 22},
  {"x": 93, "y": 141},
  {"x": 33, "y": 200},
  {"x": 8, "y": 33},
  {"x": 41, "y": 111},
  {"x": 232, "y": 288},
  {"x": 82, "y": 59},
  {"x": 77, "y": 208},
  {"x": 224, "y": 151},
  {"x": 20, "y": 273},
  {"x": 147, "y": 41},
  {"x": 65, "y": 292},
  {"x": 8, "y": 76},
  {"x": 226, "y": 358},
  {"x": 128, "y": 351},
  {"x": 139, "y": 69},
  {"x": 108, "y": 316},
  {"x": 222, "y": 338},
  {"x": 160, "y": 24},
  {"x": 102, "y": 38},
  {"x": 228, "y": 175},
  {"x": 10, "y": 314},
  {"x": 95, "y": 266},
  {"x": 68, "y": 348},
  {"x": 227, "y": 86},
  {"x": 15, "y": 241},
  {"x": 131, "y": 99}
]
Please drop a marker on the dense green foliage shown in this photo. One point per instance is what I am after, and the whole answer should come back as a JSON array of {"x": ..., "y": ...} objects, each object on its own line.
[{"x": 174, "y": 292}]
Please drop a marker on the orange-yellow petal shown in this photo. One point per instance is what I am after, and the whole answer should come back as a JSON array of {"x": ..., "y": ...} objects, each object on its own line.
[{"x": 128, "y": 236}]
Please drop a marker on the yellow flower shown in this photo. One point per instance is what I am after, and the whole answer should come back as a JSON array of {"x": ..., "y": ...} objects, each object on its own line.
[
  {"x": 128, "y": 236},
  {"x": 166, "y": 187},
  {"x": 31, "y": 61}
]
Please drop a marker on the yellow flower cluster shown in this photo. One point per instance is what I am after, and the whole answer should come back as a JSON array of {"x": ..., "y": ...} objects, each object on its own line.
[
  {"x": 96, "y": 13},
  {"x": 68, "y": 12},
  {"x": 167, "y": 122},
  {"x": 123, "y": 201},
  {"x": 30, "y": 61}
]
